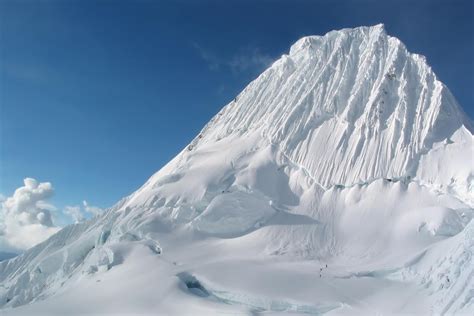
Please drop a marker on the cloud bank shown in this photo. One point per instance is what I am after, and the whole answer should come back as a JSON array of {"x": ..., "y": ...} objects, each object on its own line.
[{"x": 26, "y": 217}]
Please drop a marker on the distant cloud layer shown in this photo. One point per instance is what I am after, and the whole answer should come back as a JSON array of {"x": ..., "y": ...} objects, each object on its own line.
[{"x": 26, "y": 217}]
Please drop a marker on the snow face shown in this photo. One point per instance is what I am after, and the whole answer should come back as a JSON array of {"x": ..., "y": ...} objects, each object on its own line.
[
  {"x": 339, "y": 181},
  {"x": 233, "y": 214},
  {"x": 449, "y": 166}
]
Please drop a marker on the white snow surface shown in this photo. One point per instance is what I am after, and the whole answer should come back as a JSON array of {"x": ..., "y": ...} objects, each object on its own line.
[{"x": 340, "y": 181}]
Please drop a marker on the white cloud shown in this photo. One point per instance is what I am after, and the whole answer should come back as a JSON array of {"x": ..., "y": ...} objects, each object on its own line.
[
  {"x": 93, "y": 210},
  {"x": 75, "y": 213},
  {"x": 78, "y": 213},
  {"x": 25, "y": 217}
]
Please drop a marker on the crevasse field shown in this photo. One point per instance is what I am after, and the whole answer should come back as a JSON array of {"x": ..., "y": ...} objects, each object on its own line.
[{"x": 340, "y": 181}]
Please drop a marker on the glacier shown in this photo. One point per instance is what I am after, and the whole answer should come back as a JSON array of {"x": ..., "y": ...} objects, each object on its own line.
[{"x": 340, "y": 181}]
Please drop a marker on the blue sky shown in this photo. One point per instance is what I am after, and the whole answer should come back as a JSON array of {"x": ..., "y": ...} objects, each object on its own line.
[{"x": 97, "y": 95}]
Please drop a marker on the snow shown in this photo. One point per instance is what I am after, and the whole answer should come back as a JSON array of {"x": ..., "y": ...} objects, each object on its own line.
[
  {"x": 339, "y": 181},
  {"x": 233, "y": 214},
  {"x": 449, "y": 166}
]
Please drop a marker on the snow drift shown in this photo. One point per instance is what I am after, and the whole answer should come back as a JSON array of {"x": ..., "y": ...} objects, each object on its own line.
[{"x": 339, "y": 181}]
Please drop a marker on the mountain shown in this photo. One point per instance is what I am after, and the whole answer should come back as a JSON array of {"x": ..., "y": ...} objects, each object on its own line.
[{"x": 339, "y": 181}]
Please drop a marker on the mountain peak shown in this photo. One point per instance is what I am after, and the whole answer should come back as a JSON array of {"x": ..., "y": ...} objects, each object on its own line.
[
  {"x": 348, "y": 108},
  {"x": 308, "y": 42},
  {"x": 357, "y": 90}
]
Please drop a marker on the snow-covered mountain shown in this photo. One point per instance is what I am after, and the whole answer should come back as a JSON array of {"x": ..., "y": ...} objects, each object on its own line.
[{"x": 341, "y": 180}]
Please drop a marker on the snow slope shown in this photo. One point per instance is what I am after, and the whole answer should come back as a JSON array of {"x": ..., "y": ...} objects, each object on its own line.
[{"x": 347, "y": 152}]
